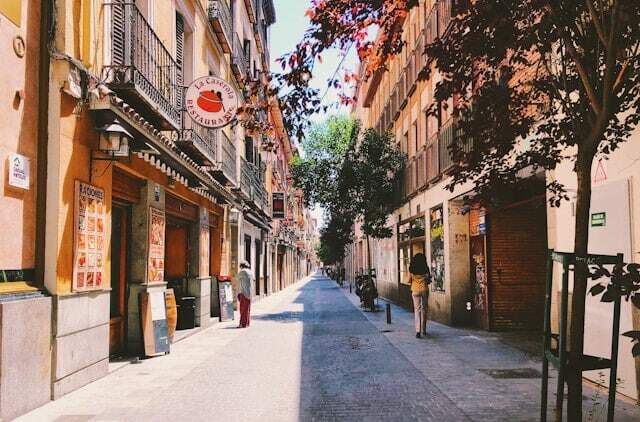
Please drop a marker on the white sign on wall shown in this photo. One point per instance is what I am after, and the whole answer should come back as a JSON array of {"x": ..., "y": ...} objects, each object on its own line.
[
  {"x": 18, "y": 171},
  {"x": 211, "y": 102}
]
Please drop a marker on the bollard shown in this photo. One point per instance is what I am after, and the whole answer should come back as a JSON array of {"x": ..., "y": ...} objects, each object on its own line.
[
  {"x": 349, "y": 287},
  {"x": 388, "y": 309}
]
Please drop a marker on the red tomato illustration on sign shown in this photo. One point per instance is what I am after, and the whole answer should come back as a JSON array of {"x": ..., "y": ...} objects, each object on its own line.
[{"x": 210, "y": 101}]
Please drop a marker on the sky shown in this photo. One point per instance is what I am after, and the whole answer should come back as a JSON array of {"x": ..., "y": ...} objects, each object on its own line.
[
  {"x": 290, "y": 26},
  {"x": 291, "y": 23}
]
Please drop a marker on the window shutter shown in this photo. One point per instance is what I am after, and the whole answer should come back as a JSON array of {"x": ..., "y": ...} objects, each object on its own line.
[
  {"x": 247, "y": 50},
  {"x": 180, "y": 47},
  {"x": 119, "y": 32},
  {"x": 248, "y": 149}
]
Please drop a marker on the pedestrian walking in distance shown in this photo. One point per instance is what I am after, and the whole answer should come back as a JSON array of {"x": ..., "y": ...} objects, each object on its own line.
[
  {"x": 419, "y": 278},
  {"x": 245, "y": 280}
]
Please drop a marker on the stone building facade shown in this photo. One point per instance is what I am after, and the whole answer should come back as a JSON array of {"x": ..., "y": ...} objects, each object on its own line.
[
  {"x": 125, "y": 196},
  {"x": 488, "y": 264}
]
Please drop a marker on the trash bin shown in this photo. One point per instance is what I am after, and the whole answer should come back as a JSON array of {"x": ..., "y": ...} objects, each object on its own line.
[
  {"x": 187, "y": 313},
  {"x": 225, "y": 297}
]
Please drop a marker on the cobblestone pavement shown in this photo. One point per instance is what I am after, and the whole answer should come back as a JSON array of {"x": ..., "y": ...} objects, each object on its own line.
[{"x": 311, "y": 354}]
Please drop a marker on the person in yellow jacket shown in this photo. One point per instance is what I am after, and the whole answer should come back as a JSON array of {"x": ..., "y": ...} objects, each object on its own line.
[{"x": 419, "y": 278}]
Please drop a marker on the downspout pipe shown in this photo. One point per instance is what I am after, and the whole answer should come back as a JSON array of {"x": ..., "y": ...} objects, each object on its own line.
[{"x": 46, "y": 25}]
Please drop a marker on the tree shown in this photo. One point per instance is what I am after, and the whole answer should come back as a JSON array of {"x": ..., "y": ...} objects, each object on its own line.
[
  {"x": 377, "y": 165},
  {"x": 534, "y": 81},
  {"x": 351, "y": 173}
]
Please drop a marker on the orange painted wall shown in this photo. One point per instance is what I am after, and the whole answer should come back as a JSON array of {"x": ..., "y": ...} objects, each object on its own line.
[
  {"x": 77, "y": 137},
  {"x": 18, "y": 112}
]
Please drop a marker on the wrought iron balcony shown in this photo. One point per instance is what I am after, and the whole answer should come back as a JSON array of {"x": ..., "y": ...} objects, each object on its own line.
[
  {"x": 252, "y": 184},
  {"x": 260, "y": 33},
  {"x": 239, "y": 62},
  {"x": 141, "y": 69},
  {"x": 438, "y": 19},
  {"x": 433, "y": 164},
  {"x": 227, "y": 152},
  {"x": 222, "y": 23},
  {"x": 200, "y": 143}
]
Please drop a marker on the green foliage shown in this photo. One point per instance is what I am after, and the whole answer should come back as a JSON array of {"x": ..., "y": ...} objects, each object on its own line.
[
  {"x": 378, "y": 163},
  {"x": 352, "y": 174}
]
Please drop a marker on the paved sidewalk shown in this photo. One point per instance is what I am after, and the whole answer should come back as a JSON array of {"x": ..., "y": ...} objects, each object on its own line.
[
  {"x": 488, "y": 375},
  {"x": 311, "y": 354}
]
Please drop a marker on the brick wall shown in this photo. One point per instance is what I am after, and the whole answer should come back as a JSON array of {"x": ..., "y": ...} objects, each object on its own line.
[{"x": 517, "y": 244}]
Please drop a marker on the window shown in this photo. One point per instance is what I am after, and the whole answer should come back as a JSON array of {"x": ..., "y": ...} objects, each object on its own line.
[
  {"x": 415, "y": 136},
  {"x": 246, "y": 48},
  {"x": 247, "y": 248},
  {"x": 180, "y": 38},
  {"x": 404, "y": 147},
  {"x": 248, "y": 149},
  {"x": 411, "y": 240}
]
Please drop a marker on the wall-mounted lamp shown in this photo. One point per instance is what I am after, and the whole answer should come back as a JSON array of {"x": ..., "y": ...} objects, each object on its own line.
[
  {"x": 234, "y": 215},
  {"x": 115, "y": 140}
]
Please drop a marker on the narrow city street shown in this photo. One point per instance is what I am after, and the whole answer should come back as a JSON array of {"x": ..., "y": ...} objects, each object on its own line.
[{"x": 312, "y": 354}]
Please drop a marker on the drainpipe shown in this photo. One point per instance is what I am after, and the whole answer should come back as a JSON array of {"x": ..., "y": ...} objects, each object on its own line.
[{"x": 46, "y": 11}]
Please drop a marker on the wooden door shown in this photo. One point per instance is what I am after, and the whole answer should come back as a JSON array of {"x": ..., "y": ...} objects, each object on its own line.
[
  {"x": 119, "y": 265},
  {"x": 176, "y": 246},
  {"x": 479, "y": 286}
]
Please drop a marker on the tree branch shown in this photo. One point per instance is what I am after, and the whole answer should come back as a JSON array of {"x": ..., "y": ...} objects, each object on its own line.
[
  {"x": 582, "y": 72},
  {"x": 623, "y": 70},
  {"x": 610, "y": 59},
  {"x": 600, "y": 30}
]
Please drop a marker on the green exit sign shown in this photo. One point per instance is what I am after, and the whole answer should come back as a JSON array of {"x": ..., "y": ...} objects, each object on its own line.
[{"x": 598, "y": 219}]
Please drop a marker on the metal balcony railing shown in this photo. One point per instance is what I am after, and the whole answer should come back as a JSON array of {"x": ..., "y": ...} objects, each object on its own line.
[
  {"x": 433, "y": 166},
  {"x": 251, "y": 7},
  {"x": 252, "y": 184},
  {"x": 227, "y": 156},
  {"x": 141, "y": 69},
  {"x": 239, "y": 62},
  {"x": 446, "y": 138},
  {"x": 200, "y": 143},
  {"x": 222, "y": 23},
  {"x": 246, "y": 178},
  {"x": 445, "y": 13}
]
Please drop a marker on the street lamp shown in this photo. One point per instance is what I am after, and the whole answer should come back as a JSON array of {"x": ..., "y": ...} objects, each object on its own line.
[
  {"x": 114, "y": 140},
  {"x": 234, "y": 215}
]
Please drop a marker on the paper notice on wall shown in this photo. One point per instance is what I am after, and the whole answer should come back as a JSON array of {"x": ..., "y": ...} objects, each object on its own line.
[
  {"x": 204, "y": 251},
  {"x": 89, "y": 237},
  {"x": 18, "y": 171},
  {"x": 155, "y": 263}
]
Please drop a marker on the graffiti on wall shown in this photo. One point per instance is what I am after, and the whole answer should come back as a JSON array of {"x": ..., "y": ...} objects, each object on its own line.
[{"x": 437, "y": 247}]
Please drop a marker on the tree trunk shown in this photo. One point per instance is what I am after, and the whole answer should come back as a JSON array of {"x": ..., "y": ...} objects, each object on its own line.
[{"x": 576, "y": 334}]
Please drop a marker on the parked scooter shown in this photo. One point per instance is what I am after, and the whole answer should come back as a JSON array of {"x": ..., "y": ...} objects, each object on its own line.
[{"x": 366, "y": 290}]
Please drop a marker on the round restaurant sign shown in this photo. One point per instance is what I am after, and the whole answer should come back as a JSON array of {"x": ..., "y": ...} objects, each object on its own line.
[{"x": 211, "y": 102}]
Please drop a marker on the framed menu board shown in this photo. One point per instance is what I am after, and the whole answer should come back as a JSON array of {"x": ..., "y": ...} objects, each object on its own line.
[
  {"x": 89, "y": 228},
  {"x": 154, "y": 323},
  {"x": 155, "y": 261}
]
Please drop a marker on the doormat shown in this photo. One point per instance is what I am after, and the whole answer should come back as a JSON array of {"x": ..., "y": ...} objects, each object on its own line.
[{"x": 512, "y": 373}]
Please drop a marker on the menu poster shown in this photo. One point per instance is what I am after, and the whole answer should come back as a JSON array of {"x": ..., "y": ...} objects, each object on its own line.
[
  {"x": 204, "y": 251},
  {"x": 88, "y": 237},
  {"x": 155, "y": 263}
]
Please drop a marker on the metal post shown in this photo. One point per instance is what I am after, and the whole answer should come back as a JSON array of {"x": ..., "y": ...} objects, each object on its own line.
[
  {"x": 562, "y": 349},
  {"x": 613, "y": 371},
  {"x": 388, "y": 309},
  {"x": 546, "y": 338}
]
